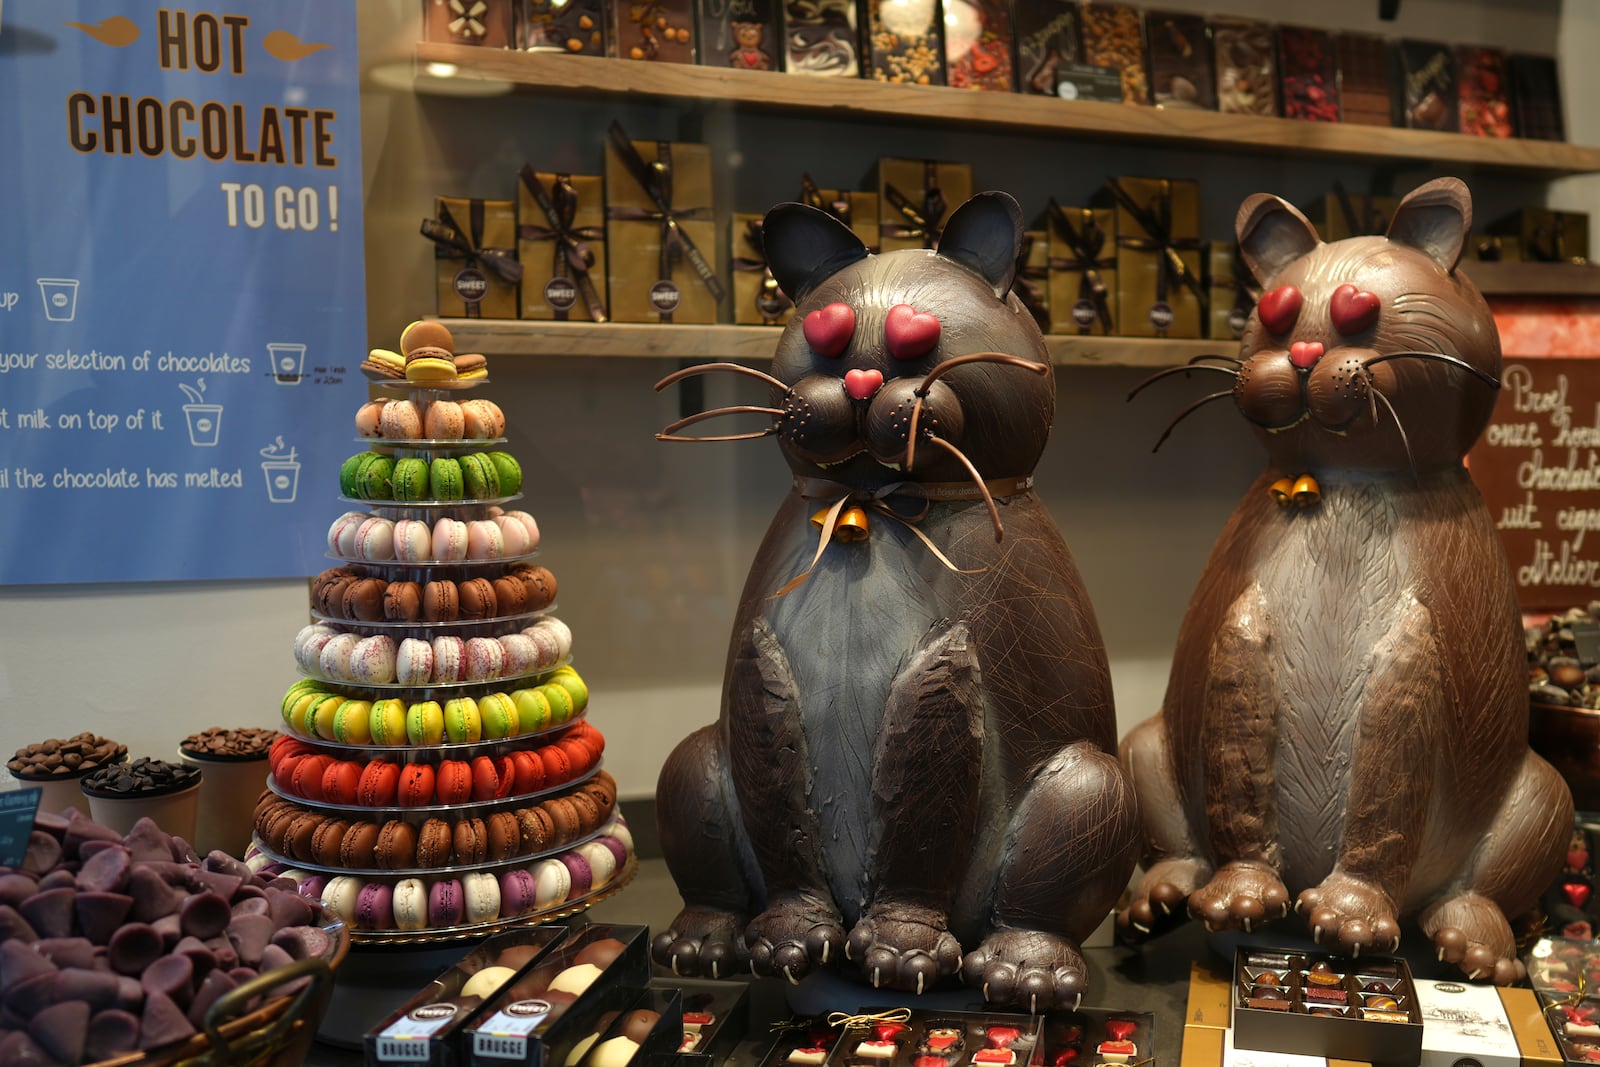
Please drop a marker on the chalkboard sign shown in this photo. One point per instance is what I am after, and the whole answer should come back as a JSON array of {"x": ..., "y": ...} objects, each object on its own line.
[{"x": 1538, "y": 467}]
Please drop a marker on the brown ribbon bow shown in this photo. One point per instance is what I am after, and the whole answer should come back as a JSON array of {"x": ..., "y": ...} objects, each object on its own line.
[
  {"x": 1363, "y": 221},
  {"x": 839, "y": 207},
  {"x": 571, "y": 257},
  {"x": 1026, "y": 284},
  {"x": 771, "y": 301},
  {"x": 449, "y": 242},
  {"x": 1548, "y": 243},
  {"x": 1086, "y": 242},
  {"x": 1245, "y": 292},
  {"x": 1155, "y": 219},
  {"x": 926, "y": 223}
]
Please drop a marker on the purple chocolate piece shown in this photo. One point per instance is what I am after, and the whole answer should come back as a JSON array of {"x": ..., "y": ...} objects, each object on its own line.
[
  {"x": 222, "y": 948},
  {"x": 288, "y": 908},
  {"x": 174, "y": 874},
  {"x": 49, "y": 912},
  {"x": 17, "y": 1049},
  {"x": 169, "y": 929},
  {"x": 250, "y": 934},
  {"x": 15, "y": 888},
  {"x": 205, "y": 915},
  {"x": 273, "y": 957},
  {"x": 216, "y": 984},
  {"x": 99, "y": 914},
  {"x": 83, "y": 829},
  {"x": 130, "y": 994},
  {"x": 149, "y": 843},
  {"x": 61, "y": 1029},
  {"x": 303, "y": 942},
  {"x": 43, "y": 852},
  {"x": 250, "y": 906},
  {"x": 32, "y": 995},
  {"x": 19, "y": 962},
  {"x": 98, "y": 989},
  {"x": 14, "y": 926},
  {"x": 106, "y": 871},
  {"x": 90, "y": 849},
  {"x": 182, "y": 851},
  {"x": 581, "y": 875},
  {"x": 223, "y": 884},
  {"x": 170, "y": 976},
  {"x": 54, "y": 823},
  {"x": 133, "y": 948},
  {"x": 67, "y": 951},
  {"x": 218, "y": 860},
  {"x": 60, "y": 878},
  {"x": 152, "y": 896},
  {"x": 162, "y": 1022},
  {"x": 200, "y": 954},
  {"x": 111, "y": 1033},
  {"x": 248, "y": 891}
]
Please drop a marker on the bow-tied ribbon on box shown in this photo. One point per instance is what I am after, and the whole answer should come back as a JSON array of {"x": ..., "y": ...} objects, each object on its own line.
[
  {"x": 1155, "y": 219},
  {"x": 811, "y": 195},
  {"x": 655, "y": 178},
  {"x": 771, "y": 301},
  {"x": 1027, "y": 283},
  {"x": 1087, "y": 243},
  {"x": 1245, "y": 292},
  {"x": 1361, "y": 215},
  {"x": 451, "y": 242},
  {"x": 923, "y": 223},
  {"x": 1547, "y": 243},
  {"x": 571, "y": 256}
]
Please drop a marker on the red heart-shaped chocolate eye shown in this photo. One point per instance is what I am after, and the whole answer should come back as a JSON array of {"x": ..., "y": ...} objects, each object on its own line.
[
  {"x": 1352, "y": 309},
  {"x": 1576, "y": 892},
  {"x": 828, "y": 329},
  {"x": 1119, "y": 1029},
  {"x": 1280, "y": 308},
  {"x": 910, "y": 333}
]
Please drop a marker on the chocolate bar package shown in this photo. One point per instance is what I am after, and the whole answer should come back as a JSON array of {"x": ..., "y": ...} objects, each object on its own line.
[
  {"x": 915, "y": 197},
  {"x": 659, "y": 30},
  {"x": 1179, "y": 47},
  {"x": 905, "y": 41},
  {"x": 561, "y": 243},
  {"x": 1308, "y": 74},
  {"x": 1159, "y": 291},
  {"x": 574, "y": 26},
  {"x": 1316, "y": 1004},
  {"x": 1083, "y": 269},
  {"x": 660, "y": 231},
  {"x": 1366, "y": 88},
  {"x": 757, "y": 300},
  {"x": 978, "y": 44},
  {"x": 1247, "y": 81},
  {"x": 1231, "y": 292},
  {"x": 489, "y": 23},
  {"x": 1047, "y": 41},
  {"x": 1112, "y": 39},
  {"x": 742, "y": 34},
  {"x": 1536, "y": 98},
  {"x": 1095, "y": 1035},
  {"x": 475, "y": 257},
  {"x": 821, "y": 37},
  {"x": 1428, "y": 86},
  {"x": 1485, "y": 108}
]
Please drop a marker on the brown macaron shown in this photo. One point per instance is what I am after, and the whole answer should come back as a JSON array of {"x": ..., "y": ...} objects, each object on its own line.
[
  {"x": 471, "y": 841},
  {"x": 357, "y": 850},
  {"x": 434, "y": 841},
  {"x": 603, "y": 788},
  {"x": 397, "y": 846},
  {"x": 505, "y": 838},
  {"x": 327, "y": 841},
  {"x": 478, "y": 599},
  {"x": 328, "y": 593},
  {"x": 275, "y": 830},
  {"x": 302, "y": 831},
  {"x": 440, "y": 602},
  {"x": 402, "y": 602},
  {"x": 363, "y": 599},
  {"x": 511, "y": 596},
  {"x": 588, "y": 810},
  {"x": 541, "y": 586},
  {"x": 426, "y": 333},
  {"x": 535, "y": 830},
  {"x": 565, "y": 818}
]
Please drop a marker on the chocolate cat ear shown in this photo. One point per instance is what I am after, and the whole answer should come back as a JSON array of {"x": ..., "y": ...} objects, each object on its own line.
[
  {"x": 805, "y": 246},
  {"x": 1435, "y": 219},
  {"x": 1272, "y": 235},
  {"x": 985, "y": 235}
]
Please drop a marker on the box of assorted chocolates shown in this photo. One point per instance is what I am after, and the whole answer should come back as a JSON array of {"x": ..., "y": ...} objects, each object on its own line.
[
  {"x": 1428, "y": 86},
  {"x": 857, "y": 210},
  {"x": 716, "y": 1016},
  {"x": 1159, "y": 292},
  {"x": 659, "y": 30},
  {"x": 801, "y": 1042},
  {"x": 542, "y": 1013},
  {"x": 1082, "y": 287},
  {"x": 476, "y": 273},
  {"x": 1094, "y": 1036},
  {"x": 757, "y": 300},
  {"x": 561, "y": 244},
  {"x": 878, "y": 1037},
  {"x": 1485, "y": 108},
  {"x": 644, "y": 1029},
  {"x": 1548, "y": 236},
  {"x": 905, "y": 41},
  {"x": 1536, "y": 98},
  {"x": 1366, "y": 95},
  {"x": 1559, "y": 967},
  {"x": 1047, "y": 44},
  {"x": 978, "y": 44},
  {"x": 915, "y": 197},
  {"x": 742, "y": 34},
  {"x": 1179, "y": 47},
  {"x": 428, "y": 1028},
  {"x": 489, "y": 23},
  {"x": 1315, "y": 1004},
  {"x": 1112, "y": 39},
  {"x": 1032, "y": 281},
  {"x": 821, "y": 37},
  {"x": 577, "y": 27},
  {"x": 1308, "y": 74},
  {"x": 1247, "y": 80}
]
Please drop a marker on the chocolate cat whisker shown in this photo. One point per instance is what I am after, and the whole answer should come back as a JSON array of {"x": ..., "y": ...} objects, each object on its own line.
[
  {"x": 939, "y": 371},
  {"x": 1404, "y": 440},
  {"x": 705, "y": 368},
  {"x": 1235, "y": 360},
  {"x": 977, "y": 479},
  {"x": 734, "y": 409},
  {"x": 1438, "y": 357},
  {"x": 1167, "y": 372},
  {"x": 1186, "y": 412}
]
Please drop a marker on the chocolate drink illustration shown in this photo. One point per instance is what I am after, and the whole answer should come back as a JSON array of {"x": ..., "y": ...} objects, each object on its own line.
[
  {"x": 911, "y": 775},
  {"x": 1345, "y": 726}
]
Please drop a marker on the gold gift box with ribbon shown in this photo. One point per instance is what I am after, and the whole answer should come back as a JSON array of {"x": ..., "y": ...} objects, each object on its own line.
[
  {"x": 661, "y": 232},
  {"x": 561, "y": 243},
  {"x": 915, "y": 197},
  {"x": 859, "y": 211},
  {"x": 1033, "y": 276},
  {"x": 1082, "y": 259},
  {"x": 1340, "y": 214},
  {"x": 757, "y": 300},
  {"x": 1231, "y": 291},
  {"x": 1158, "y": 257},
  {"x": 1546, "y": 236},
  {"x": 475, "y": 257}
]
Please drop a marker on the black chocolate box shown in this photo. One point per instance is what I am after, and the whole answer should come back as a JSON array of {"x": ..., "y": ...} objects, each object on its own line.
[
  {"x": 1095, "y": 1035},
  {"x": 905, "y": 41},
  {"x": 1047, "y": 40},
  {"x": 1536, "y": 98},
  {"x": 1428, "y": 86},
  {"x": 821, "y": 37},
  {"x": 1308, "y": 74},
  {"x": 716, "y": 1017},
  {"x": 1316, "y": 1004},
  {"x": 1179, "y": 47}
]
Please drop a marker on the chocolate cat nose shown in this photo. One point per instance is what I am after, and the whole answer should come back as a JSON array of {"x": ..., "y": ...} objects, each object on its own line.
[
  {"x": 1304, "y": 353},
  {"x": 862, "y": 384}
]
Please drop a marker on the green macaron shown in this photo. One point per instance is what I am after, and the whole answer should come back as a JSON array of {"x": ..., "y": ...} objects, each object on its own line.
[
  {"x": 509, "y": 471},
  {"x": 444, "y": 476},
  {"x": 479, "y": 477},
  {"x": 347, "y": 474},
  {"x": 375, "y": 477},
  {"x": 411, "y": 479}
]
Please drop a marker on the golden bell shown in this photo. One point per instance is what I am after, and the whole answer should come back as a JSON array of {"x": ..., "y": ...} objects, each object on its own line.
[
  {"x": 851, "y": 526},
  {"x": 1306, "y": 491},
  {"x": 1281, "y": 491}
]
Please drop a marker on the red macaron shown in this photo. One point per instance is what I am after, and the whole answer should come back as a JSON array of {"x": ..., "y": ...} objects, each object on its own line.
[
  {"x": 557, "y": 767},
  {"x": 307, "y": 779},
  {"x": 528, "y": 771},
  {"x": 485, "y": 778},
  {"x": 416, "y": 785},
  {"x": 452, "y": 782},
  {"x": 379, "y": 783},
  {"x": 341, "y": 782}
]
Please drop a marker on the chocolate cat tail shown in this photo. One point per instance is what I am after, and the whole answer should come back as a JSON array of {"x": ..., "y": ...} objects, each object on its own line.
[
  {"x": 1345, "y": 727},
  {"x": 912, "y": 777}
]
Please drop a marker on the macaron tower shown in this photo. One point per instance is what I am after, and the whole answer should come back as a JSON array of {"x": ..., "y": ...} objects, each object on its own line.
[{"x": 438, "y": 776}]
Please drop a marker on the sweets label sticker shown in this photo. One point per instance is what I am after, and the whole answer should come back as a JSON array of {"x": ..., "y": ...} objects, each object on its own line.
[
  {"x": 17, "y": 809},
  {"x": 138, "y": 382}
]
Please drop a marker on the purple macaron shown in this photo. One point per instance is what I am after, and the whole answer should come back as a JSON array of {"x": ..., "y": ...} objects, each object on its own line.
[
  {"x": 582, "y": 876},
  {"x": 446, "y": 903},
  {"x": 375, "y": 907},
  {"x": 518, "y": 892}
]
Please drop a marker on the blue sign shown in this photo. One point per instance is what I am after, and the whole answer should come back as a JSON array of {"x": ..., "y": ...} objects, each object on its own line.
[{"x": 182, "y": 304}]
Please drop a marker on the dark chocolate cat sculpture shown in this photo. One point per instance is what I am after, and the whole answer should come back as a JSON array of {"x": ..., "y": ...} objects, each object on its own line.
[
  {"x": 1345, "y": 728},
  {"x": 912, "y": 773}
]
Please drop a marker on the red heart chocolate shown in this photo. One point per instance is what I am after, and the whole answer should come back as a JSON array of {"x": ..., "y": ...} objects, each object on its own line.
[
  {"x": 1576, "y": 892},
  {"x": 862, "y": 384},
  {"x": 1280, "y": 308},
  {"x": 1304, "y": 353},
  {"x": 1001, "y": 1036},
  {"x": 1578, "y": 858},
  {"x": 1064, "y": 1057},
  {"x": 828, "y": 329},
  {"x": 1352, "y": 309},
  {"x": 887, "y": 1031},
  {"x": 1119, "y": 1029},
  {"x": 926, "y": 1060},
  {"x": 910, "y": 333}
]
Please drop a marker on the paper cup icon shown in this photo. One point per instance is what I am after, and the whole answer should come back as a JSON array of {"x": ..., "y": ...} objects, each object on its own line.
[
  {"x": 60, "y": 297},
  {"x": 205, "y": 423},
  {"x": 283, "y": 479},
  {"x": 286, "y": 362}
]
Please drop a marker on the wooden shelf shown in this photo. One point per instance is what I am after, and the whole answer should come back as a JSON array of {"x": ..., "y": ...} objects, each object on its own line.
[
  {"x": 1534, "y": 279},
  {"x": 510, "y": 337},
  {"x": 861, "y": 99}
]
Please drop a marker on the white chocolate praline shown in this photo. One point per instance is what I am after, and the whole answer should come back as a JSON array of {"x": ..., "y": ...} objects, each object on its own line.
[
  {"x": 410, "y": 904},
  {"x": 486, "y": 981},
  {"x": 579, "y": 1049},
  {"x": 552, "y": 883},
  {"x": 807, "y": 1055},
  {"x": 482, "y": 892},
  {"x": 575, "y": 979},
  {"x": 877, "y": 1050},
  {"x": 615, "y": 1052}
]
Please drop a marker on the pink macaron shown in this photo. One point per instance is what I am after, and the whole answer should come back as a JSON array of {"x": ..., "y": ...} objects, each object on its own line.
[
  {"x": 334, "y": 661},
  {"x": 449, "y": 660},
  {"x": 413, "y": 662},
  {"x": 446, "y": 905},
  {"x": 558, "y": 630},
  {"x": 373, "y": 660},
  {"x": 547, "y": 649},
  {"x": 443, "y": 421},
  {"x": 400, "y": 420},
  {"x": 484, "y": 540},
  {"x": 515, "y": 535},
  {"x": 413, "y": 541},
  {"x": 485, "y": 659},
  {"x": 375, "y": 907},
  {"x": 449, "y": 540},
  {"x": 375, "y": 539},
  {"x": 528, "y": 524},
  {"x": 518, "y": 892},
  {"x": 522, "y": 655},
  {"x": 342, "y": 534},
  {"x": 369, "y": 416},
  {"x": 308, "y": 645}
]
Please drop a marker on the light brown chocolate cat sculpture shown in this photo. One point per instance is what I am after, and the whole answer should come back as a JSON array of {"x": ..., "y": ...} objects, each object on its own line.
[{"x": 1345, "y": 726}]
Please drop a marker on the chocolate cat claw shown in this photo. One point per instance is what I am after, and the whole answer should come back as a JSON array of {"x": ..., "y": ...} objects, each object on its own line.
[
  {"x": 1345, "y": 724},
  {"x": 911, "y": 775}
]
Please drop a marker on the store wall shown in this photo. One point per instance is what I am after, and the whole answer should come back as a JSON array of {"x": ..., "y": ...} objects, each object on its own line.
[{"x": 650, "y": 541}]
